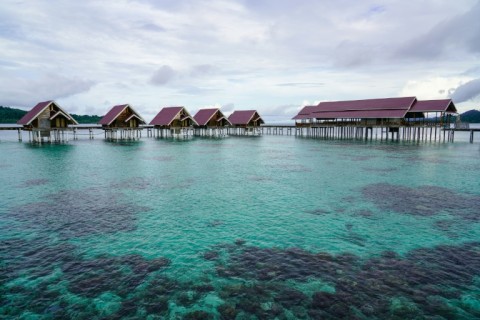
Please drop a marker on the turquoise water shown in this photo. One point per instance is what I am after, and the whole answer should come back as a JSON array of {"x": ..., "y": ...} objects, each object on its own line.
[{"x": 243, "y": 227}]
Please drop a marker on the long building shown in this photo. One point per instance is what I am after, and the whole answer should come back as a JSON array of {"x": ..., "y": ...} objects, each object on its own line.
[{"x": 407, "y": 117}]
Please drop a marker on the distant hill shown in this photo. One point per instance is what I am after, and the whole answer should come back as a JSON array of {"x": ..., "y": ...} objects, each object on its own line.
[
  {"x": 12, "y": 115},
  {"x": 472, "y": 116},
  {"x": 85, "y": 118}
]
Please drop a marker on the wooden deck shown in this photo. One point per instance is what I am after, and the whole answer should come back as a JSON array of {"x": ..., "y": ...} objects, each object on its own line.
[
  {"x": 405, "y": 133},
  {"x": 471, "y": 130}
]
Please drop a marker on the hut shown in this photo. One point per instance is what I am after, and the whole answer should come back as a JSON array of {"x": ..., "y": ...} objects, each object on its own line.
[
  {"x": 122, "y": 122},
  {"x": 245, "y": 122},
  {"x": 47, "y": 120},
  {"x": 173, "y": 121},
  {"x": 211, "y": 122},
  {"x": 361, "y": 118}
]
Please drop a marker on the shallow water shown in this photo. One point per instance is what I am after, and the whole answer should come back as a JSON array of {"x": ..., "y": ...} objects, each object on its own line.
[{"x": 262, "y": 227}]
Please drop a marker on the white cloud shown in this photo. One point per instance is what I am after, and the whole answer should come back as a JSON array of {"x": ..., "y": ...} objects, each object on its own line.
[
  {"x": 26, "y": 92},
  {"x": 256, "y": 53},
  {"x": 467, "y": 91},
  {"x": 432, "y": 88}
]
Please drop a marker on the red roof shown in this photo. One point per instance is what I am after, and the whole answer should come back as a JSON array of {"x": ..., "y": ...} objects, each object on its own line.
[
  {"x": 203, "y": 116},
  {"x": 434, "y": 106},
  {"x": 367, "y": 104},
  {"x": 38, "y": 109},
  {"x": 115, "y": 112},
  {"x": 32, "y": 114},
  {"x": 305, "y": 113},
  {"x": 242, "y": 117},
  {"x": 363, "y": 114},
  {"x": 112, "y": 114},
  {"x": 166, "y": 116},
  {"x": 368, "y": 108}
]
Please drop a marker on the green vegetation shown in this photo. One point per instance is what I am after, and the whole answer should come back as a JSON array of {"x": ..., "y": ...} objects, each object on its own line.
[
  {"x": 86, "y": 118},
  {"x": 472, "y": 116},
  {"x": 12, "y": 115}
]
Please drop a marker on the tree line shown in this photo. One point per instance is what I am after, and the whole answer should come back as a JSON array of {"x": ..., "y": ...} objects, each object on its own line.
[{"x": 12, "y": 115}]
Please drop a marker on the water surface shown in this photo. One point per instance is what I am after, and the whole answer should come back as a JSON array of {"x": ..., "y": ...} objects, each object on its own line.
[{"x": 263, "y": 227}]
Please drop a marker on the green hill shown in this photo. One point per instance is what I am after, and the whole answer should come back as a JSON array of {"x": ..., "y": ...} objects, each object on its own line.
[
  {"x": 86, "y": 118},
  {"x": 472, "y": 116},
  {"x": 12, "y": 115}
]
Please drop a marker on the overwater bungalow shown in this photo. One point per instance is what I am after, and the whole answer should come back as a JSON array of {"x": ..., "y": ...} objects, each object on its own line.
[
  {"x": 122, "y": 122},
  {"x": 405, "y": 116},
  {"x": 211, "y": 122},
  {"x": 47, "y": 121},
  {"x": 173, "y": 121},
  {"x": 245, "y": 122}
]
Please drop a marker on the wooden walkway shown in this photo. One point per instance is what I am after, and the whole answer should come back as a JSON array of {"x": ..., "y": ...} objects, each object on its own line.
[
  {"x": 472, "y": 132},
  {"x": 414, "y": 133}
]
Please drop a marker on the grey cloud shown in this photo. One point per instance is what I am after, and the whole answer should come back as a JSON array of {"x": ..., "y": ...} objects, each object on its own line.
[
  {"x": 467, "y": 91},
  {"x": 301, "y": 84},
  {"x": 165, "y": 74},
  {"x": 229, "y": 107},
  {"x": 27, "y": 92},
  {"x": 459, "y": 33},
  {"x": 281, "y": 111},
  {"x": 473, "y": 71},
  {"x": 279, "y": 114},
  {"x": 168, "y": 5},
  {"x": 352, "y": 54},
  {"x": 195, "y": 90},
  {"x": 201, "y": 70},
  {"x": 162, "y": 76},
  {"x": 153, "y": 27}
]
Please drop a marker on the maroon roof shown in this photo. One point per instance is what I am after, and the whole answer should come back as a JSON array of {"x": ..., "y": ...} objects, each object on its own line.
[
  {"x": 112, "y": 114},
  {"x": 242, "y": 117},
  {"x": 368, "y": 108},
  {"x": 115, "y": 112},
  {"x": 365, "y": 114},
  {"x": 434, "y": 106},
  {"x": 32, "y": 114},
  {"x": 204, "y": 115},
  {"x": 367, "y": 104},
  {"x": 166, "y": 116},
  {"x": 305, "y": 113}
]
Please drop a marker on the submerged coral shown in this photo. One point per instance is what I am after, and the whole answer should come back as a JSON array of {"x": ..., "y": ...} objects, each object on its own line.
[
  {"x": 417, "y": 285},
  {"x": 76, "y": 213},
  {"x": 251, "y": 282},
  {"x": 423, "y": 201}
]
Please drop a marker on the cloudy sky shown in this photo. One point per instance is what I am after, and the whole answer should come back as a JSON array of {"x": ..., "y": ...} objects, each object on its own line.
[{"x": 271, "y": 55}]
